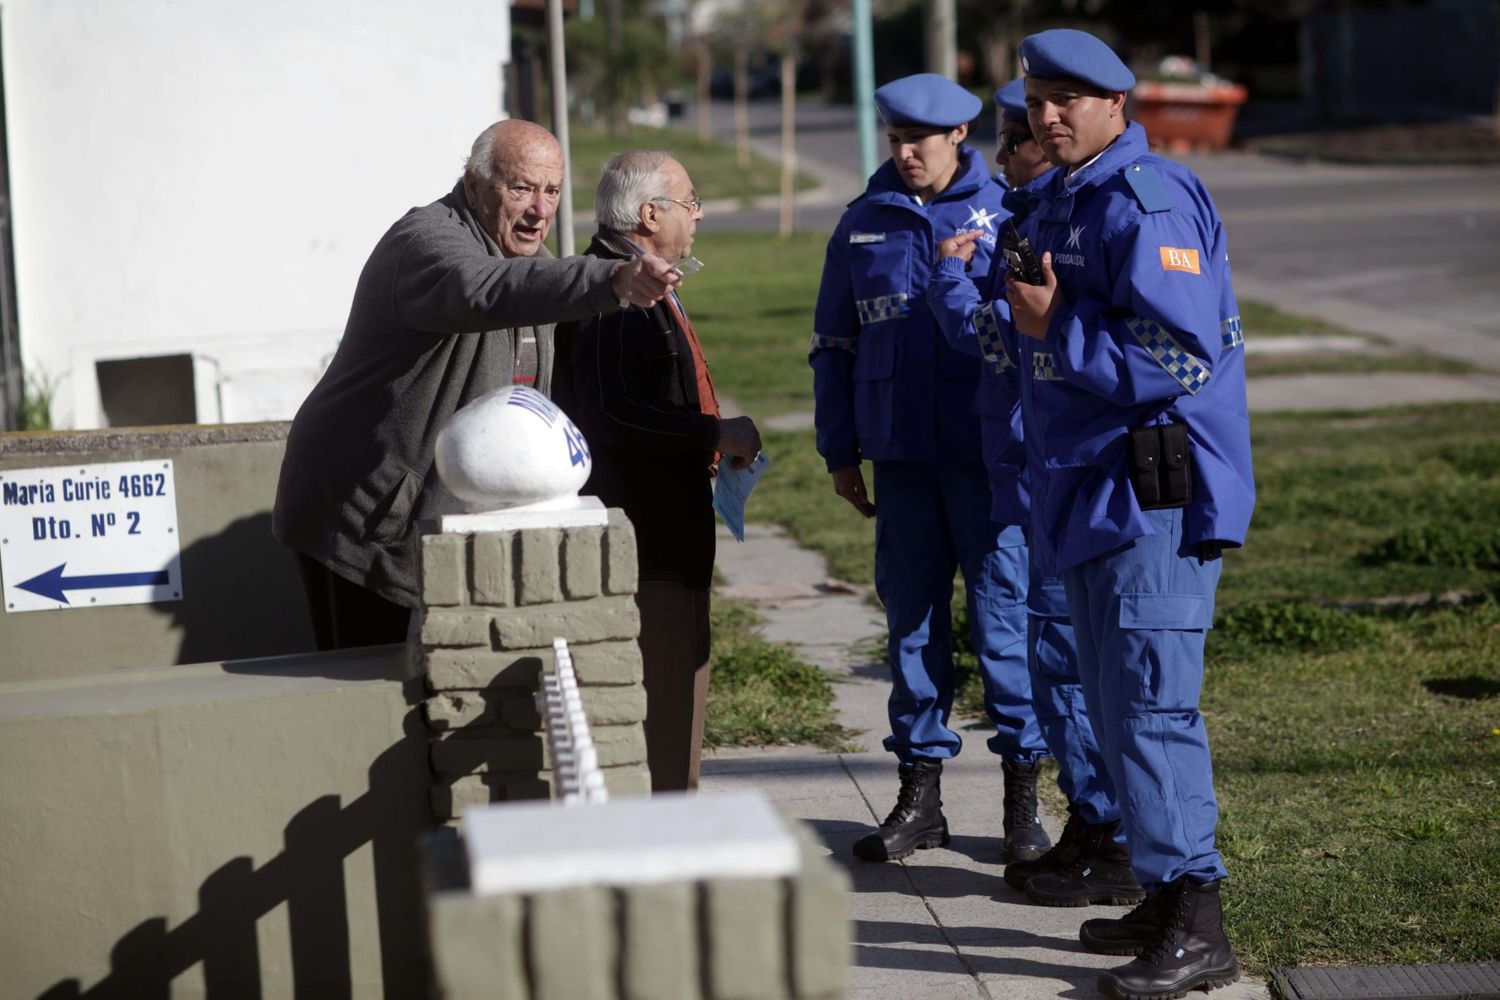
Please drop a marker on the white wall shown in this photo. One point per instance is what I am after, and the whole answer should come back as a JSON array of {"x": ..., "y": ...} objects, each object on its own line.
[{"x": 209, "y": 176}]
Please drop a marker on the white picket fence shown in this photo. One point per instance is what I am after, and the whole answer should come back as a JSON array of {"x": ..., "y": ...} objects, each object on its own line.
[{"x": 575, "y": 760}]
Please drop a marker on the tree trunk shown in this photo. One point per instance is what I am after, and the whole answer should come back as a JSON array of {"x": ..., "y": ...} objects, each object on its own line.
[
  {"x": 788, "y": 140},
  {"x": 742, "y": 106},
  {"x": 614, "y": 33},
  {"x": 941, "y": 37},
  {"x": 705, "y": 112}
]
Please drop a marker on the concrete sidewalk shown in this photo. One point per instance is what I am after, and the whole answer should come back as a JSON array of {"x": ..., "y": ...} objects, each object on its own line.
[{"x": 941, "y": 924}]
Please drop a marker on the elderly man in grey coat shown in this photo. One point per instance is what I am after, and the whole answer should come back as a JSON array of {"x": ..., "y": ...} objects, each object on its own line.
[{"x": 458, "y": 298}]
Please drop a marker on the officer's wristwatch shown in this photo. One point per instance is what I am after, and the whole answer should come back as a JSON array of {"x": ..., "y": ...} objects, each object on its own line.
[{"x": 623, "y": 302}]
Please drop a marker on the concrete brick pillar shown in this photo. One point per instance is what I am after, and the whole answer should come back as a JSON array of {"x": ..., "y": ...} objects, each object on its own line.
[
  {"x": 492, "y": 603},
  {"x": 694, "y": 938}
]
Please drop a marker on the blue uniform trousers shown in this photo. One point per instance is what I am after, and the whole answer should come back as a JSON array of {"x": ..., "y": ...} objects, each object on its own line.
[
  {"x": 1061, "y": 709},
  {"x": 933, "y": 518},
  {"x": 1141, "y": 614}
]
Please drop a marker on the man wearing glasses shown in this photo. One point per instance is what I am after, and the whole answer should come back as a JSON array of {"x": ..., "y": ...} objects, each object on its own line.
[
  {"x": 457, "y": 299},
  {"x": 637, "y": 384}
]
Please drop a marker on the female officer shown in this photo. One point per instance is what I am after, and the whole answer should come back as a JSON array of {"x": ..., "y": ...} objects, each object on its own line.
[{"x": 889, "y": 389}]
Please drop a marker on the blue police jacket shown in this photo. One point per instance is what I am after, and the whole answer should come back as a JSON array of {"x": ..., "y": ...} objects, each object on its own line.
[
  {"x": 963, "y": 309},
  {"x": 1148, "y": 332},
  {"x": 887, "y": 385}
]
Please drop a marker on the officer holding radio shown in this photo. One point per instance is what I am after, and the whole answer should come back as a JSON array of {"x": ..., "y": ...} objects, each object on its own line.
[
  {"x": 1089, "y": 863},
  {"x": 1133, "y": 396},
  {"x": 889, "y": 389}
]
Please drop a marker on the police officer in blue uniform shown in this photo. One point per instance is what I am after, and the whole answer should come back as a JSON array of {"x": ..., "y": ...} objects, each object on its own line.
[
  {"x": 889, "y": 389},
  {"x": 1089, "y": 863},
  {"x": 1133, "y": 396}
]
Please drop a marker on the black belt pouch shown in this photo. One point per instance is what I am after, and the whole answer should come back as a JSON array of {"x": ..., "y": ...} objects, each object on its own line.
[{"x": 1161, "y": 469}]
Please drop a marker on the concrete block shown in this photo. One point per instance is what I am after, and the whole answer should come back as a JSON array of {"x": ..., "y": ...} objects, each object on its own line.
[
  {"x": 744, "y": 924},
  {"x": 455, "y": 628},
  {"x": 621, "y": 570},
  {"x": 607, "y": 663},
  {"x": 573, "y": 944},
  {"x": 614, "y": 706},
  {"x": 819, "y": 935},
  {"x": 459, "y": 710},
  {"x": 445, "y": 569},
  {"x": 493, "y": 568},
  {"x": 493, "y": 750},
  {"x": 659, "y": 942},
  {"x": 579, "y": 622},
  {"x": 518, "y": 712},
  {"x": 462, "y": 753},
  {"x": 582, "y": 563},
  {"x": 630, "y": 781},
  {"x": 620, "y": 745},
  {"x": 529, "y": 788},
  {"x": 478, "y": 945},
  {"x": 451, "y": 800},
  {"x": 449, "y": 669},
  {"x": 539, "y": 566}
]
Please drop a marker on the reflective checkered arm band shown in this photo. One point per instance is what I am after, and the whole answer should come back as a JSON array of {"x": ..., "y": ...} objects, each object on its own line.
[
  {"x": 1233, "y": 332},
  {"x": 1191, "y": 373},
  {"x": 882, "y": 307},
  {"x": 987, "y": 332},
  {"x": 820, "y": 343}
]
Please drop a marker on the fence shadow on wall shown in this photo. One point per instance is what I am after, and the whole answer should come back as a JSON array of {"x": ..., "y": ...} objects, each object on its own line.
[
  {"x": 242, "y": 596},
  {"x": 307, "y": 876}
]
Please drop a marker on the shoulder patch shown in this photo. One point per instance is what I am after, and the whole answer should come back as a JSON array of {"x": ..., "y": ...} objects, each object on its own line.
[{"x": 1149, "y": 188}]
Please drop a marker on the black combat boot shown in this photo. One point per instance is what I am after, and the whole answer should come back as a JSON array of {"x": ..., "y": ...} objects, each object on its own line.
[
  {"x": 1100, "y": 874},
  {"x": 1132, "y": 933},
  {"x": 1058, "y": 857},
  {"x": 1025, "y": 840},
  {"x": 1190, "y": 951},
  {"x": 916, "y": 822}
]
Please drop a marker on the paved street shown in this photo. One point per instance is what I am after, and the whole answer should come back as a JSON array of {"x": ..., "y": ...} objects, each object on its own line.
[{"x": 1407, "y": 253}]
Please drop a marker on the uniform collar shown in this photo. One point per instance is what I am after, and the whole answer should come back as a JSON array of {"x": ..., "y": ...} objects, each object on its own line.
[{"x": 1130, "y": 146}]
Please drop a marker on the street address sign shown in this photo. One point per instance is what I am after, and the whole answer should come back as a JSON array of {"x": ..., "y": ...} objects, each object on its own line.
[{"x": 76, "y": 536}]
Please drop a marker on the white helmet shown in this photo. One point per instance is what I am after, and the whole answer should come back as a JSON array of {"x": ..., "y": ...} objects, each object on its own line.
[{"x": 510, "y": 447}]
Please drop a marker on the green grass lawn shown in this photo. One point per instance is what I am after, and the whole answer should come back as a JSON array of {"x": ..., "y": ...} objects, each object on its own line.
[
  {"x": 760, "y": 693},
  {"x": 1356, "y": 743},
  {"x": 714, "y": 166}
]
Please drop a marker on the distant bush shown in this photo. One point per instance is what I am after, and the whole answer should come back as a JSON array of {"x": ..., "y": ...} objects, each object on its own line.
[
  {"x": 1458, "y": 545},
  {"x": 1288, "y": 626}
]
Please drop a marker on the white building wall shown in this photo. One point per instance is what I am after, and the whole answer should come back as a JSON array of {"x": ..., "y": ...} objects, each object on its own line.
[{"x": 208, "y": 176}]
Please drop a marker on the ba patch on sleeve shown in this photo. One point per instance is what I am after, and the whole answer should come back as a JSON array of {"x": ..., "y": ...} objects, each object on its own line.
[{"x": 1178, "y": 259}]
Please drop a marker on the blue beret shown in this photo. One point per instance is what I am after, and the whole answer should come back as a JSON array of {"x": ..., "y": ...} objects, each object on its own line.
[
  {"x": 1011, "y": 99},
  {"x": 926, "y": 99},
  {"x": 1066, "y": 53}
]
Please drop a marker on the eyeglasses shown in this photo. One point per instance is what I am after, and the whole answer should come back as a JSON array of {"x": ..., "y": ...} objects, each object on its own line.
[
  {"x": 1011, "y": 141},
  {"x": 692, "y": 204}
]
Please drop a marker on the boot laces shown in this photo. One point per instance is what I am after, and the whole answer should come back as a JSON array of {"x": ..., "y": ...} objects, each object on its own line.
[
  {"x": 1069, "y": 846},
  {"x": 1020, "y": 800},
  {"x": 1165, "y": 944},
  {"x": 906, "y": 798}
]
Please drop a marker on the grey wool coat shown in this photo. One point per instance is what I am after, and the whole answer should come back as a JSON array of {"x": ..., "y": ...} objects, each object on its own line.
[{"x": 436, "y": 315}]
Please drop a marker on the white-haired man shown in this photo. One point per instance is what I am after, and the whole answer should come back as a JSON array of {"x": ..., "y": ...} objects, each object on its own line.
[
  {"x": 637, "y": 384},
  {"x": 457, "y": 299}
]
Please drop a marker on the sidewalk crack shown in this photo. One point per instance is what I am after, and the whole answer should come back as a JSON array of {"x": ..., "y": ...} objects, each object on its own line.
[{"x": 984, "y": 991}]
